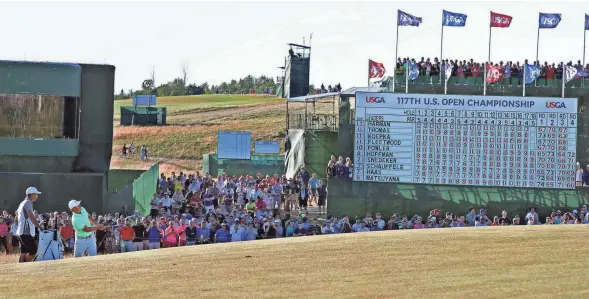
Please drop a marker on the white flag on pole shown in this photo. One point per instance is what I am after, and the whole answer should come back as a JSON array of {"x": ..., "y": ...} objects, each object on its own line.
[
  {"x": 448, "y": 71},
  {"x": 570, "y": 73}
]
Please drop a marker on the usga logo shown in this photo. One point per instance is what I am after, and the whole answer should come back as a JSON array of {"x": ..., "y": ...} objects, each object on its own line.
[
  {"x": 555, "y": 105},
  {"x": 374, "y": 100}
]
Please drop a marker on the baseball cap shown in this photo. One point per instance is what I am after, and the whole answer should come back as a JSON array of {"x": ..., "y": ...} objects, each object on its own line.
[
  {"x": 73, "y": 203},
  {"x": 32, "y": 190}
]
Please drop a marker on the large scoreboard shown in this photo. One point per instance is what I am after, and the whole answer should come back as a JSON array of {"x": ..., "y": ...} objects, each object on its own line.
[{"x": 465, "y": 140}]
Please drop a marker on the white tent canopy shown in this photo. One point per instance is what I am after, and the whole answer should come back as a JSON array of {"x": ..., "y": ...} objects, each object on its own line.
[{"x": 312, "y": 98}]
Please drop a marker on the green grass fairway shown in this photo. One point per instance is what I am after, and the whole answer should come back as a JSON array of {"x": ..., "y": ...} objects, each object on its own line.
[
  {"x": 182, "y": 105},
  {"x": 193, "y": 122},
  {"x": 491, "y": 262}
]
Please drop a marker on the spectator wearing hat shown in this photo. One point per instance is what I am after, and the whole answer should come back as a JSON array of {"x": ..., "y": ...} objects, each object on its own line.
[{"x": 26, "y": 226}]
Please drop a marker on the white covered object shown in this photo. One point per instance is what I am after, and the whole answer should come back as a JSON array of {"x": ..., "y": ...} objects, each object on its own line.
[{"x": 50, "y": 246}]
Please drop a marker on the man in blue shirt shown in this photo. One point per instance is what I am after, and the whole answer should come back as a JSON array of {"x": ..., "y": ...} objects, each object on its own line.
[
  {"x": 304, "y": 176},
  {"x": 222, "y": 234},
  {"x": 252, "y": 232},
  {"x": 203, "y": 233}
]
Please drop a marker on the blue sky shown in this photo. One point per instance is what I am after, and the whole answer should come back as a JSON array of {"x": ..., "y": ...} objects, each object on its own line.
[{"x": 222, "y": 40}]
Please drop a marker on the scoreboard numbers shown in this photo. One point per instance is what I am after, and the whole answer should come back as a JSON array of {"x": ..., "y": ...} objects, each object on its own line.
[{"x": 466, "y": 140}]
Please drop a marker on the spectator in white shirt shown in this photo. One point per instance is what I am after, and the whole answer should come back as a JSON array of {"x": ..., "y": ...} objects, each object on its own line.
[
  {"x": 155, "y": 201},
  {"x": 381, "y": 222},
  {"x": 532, "y": 215},
  {"x": 167, "y": 202}
]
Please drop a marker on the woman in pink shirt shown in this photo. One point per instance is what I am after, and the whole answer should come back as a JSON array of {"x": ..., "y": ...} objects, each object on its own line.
[
  {"x": 418, "y": 224},
  {"x": 4, "y": 235},
  {"x": 181, "y": 231},
  {"x": 260, "y": 204},
  {"x": 170, "y": 235}
]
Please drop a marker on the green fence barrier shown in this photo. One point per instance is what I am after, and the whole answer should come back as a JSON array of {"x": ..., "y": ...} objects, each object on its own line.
[
  {"x": 358, "y": 198},
  {"x": 144, "y": 188},
  {"x": 118, "y": 179}
]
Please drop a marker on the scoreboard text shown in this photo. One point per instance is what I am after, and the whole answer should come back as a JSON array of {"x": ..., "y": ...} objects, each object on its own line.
[{"x": 466, "y": 140}]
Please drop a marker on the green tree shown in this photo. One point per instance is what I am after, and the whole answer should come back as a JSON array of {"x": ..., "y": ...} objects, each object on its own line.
[{"x": 147, "y": 84}]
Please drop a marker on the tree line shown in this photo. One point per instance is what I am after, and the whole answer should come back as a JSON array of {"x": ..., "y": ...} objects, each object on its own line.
[{"x": 178, "y": 87}]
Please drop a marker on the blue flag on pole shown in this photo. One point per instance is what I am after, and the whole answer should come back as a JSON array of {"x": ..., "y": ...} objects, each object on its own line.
[
  {"x": 413, "y": 70},
  {"x": 453, "y": 19},
  {"x": 586, "y": 22},
  {"x": 405, "y": 19},
  {"x": 549, "y": 20},
  {"x": 532, "y": 73}
]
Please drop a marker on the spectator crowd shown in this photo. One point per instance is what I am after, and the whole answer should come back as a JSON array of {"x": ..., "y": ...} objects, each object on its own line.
[
  {"x": 197, "y": 209},
  {"x": 471, "y": 68}
]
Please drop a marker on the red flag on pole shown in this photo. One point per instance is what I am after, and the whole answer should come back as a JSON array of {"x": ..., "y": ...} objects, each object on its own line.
[
  {"x": 500, "y": 20},
  {"x": 375, "y": 69},
  {"x": 494, "y": 73}
]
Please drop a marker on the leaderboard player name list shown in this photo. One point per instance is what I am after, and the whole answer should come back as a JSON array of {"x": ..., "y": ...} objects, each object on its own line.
[{"x": 389, "y": 149}]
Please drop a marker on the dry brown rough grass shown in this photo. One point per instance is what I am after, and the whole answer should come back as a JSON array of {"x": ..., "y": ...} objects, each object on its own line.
[{"x": 491, "y": 262}]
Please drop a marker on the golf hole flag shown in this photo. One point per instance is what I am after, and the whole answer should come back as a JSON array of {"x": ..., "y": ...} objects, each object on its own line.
[
  {"x": 500, "y": 20},
  {"x": 375, "y": 69},
  {"x": 494, "y": 73}
]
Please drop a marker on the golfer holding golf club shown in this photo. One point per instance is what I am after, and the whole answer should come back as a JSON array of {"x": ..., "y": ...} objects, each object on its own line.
[{"x": 85, "y": 226}]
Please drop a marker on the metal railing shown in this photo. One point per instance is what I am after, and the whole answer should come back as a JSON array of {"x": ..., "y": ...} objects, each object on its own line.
[{"x": 322, "y": 122}]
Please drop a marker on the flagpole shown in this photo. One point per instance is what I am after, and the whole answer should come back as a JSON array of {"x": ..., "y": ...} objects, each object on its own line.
[
  {"x": 537, "y": 42},
  {"x": 485, "y": 78},
  {"x": 442, "y": 45},
  {"x": 407, "y": 78},
  {"x": 564, "y": 77},
  {"x": 490, "y": 27},
  {"x": 524, "y": 81},
  {"x": 584, "y": 46},
  {"x": 368, "y": 84},
  {"x": 396, "y": 51}
]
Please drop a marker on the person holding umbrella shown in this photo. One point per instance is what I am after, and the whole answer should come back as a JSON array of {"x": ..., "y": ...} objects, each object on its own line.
[{"x": 84, "y": 226}]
